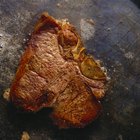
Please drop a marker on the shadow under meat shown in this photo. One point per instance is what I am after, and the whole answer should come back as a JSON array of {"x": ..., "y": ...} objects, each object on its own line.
[{"x": 41, "y": 123}]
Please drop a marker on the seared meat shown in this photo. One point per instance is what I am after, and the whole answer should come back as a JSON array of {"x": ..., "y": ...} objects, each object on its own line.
[
  {"x": 55, "y": 72},
  {"x": 75, "y": 106}
]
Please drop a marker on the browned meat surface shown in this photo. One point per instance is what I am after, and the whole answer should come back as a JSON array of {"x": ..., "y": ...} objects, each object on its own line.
[
  {"x": 75, "y": 106},
  {"x": 55, "y": 72}
]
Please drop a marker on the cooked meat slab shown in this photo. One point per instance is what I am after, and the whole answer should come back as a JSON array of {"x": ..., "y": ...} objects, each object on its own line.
[{"x": 55, "y": 72}]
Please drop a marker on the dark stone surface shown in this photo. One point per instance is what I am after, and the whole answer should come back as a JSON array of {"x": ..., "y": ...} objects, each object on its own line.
[{"x": 116, "y": 42}]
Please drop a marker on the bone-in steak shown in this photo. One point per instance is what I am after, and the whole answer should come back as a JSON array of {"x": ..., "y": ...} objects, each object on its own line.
[{"x": 55, "y": 72}]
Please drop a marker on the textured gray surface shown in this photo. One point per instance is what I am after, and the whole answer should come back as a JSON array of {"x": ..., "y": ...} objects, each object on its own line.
[{"x": 116, "y": 42}]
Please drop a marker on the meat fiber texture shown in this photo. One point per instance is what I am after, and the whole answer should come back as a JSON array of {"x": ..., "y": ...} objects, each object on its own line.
[{"x": 55, "y": 72}]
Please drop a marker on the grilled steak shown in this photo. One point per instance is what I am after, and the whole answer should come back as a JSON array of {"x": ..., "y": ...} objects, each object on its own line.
[{"x": 55, "y": 72}]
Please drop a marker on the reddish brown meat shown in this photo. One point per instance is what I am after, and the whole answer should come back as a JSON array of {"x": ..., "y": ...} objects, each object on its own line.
[{"x": 55, "y": 72}]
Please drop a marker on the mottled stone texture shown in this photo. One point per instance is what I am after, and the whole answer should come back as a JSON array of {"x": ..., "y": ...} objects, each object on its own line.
[{"x": 116, "y": 42}]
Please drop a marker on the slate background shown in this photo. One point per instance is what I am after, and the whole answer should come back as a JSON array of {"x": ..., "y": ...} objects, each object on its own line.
[{"x": 116, "y": 42}]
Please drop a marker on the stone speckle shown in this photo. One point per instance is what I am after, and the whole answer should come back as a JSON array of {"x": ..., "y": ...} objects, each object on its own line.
[
  {"x": 129, "y": 55},
  {"x": 87, "y": 29},
  {"x": 120, "y": 137}
]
